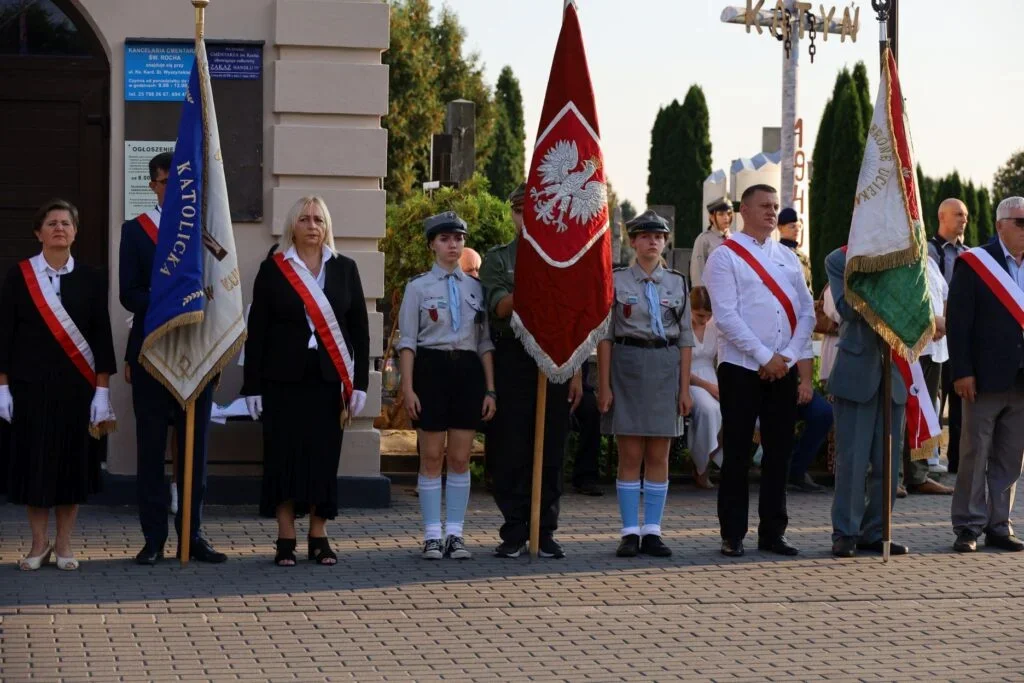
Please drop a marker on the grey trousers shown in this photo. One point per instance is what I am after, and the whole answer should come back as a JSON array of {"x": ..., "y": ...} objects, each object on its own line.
[
  {"x": 857, "y": 505},
  {"x": 991, "y": 457}
]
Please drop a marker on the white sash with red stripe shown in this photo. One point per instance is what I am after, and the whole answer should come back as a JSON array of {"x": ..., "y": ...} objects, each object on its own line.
[
  {"x": 319, "y": 310},
  {"x": 150, "y": 222},
  {"x": 770, "y": 275},
  {"x": 57, "y": 319},
  {"x": 996, "y": 279}
]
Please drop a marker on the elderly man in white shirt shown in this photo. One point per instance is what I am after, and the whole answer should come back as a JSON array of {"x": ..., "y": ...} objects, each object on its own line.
[{"x": 765, "y": 315}]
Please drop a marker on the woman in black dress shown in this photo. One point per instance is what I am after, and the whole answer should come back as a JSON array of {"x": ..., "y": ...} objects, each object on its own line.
[
  {"x": 306, "y": 360},
  {"x": 56, "y": 358}
]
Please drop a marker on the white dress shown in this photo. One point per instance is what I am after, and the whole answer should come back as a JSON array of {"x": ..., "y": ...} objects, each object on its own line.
[{"x": 707, "y": 413}]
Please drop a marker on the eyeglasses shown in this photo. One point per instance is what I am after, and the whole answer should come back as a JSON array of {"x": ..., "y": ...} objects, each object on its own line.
[
  {"x": 1018, "y": 221},
  {"x": 162, "y": 181}
]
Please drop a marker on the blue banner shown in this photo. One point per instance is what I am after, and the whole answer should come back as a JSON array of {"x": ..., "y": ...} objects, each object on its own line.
[{"x": 176, "y": 285}]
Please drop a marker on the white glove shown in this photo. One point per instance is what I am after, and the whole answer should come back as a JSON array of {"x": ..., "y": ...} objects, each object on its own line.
[
  {"x": 6, "y": 403},
  {"x": 255, "y": 406},
  {"x": 357, "y": 403},
  {"x": 100, "y": 410}
]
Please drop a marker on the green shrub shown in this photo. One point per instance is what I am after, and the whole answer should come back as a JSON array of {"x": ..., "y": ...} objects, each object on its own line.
[{"x": 404, "y": 246}]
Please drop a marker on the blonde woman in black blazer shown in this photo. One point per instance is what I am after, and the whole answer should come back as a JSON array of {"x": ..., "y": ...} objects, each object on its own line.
[{"x": 292, "y": 375}]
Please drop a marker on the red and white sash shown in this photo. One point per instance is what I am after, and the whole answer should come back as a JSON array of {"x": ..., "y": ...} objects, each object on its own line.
[
  {"x": 319, "y": 310},
  {"x": 923, "y": 428},
  {"x": 996, "y": 279},
  {"x": 770, "y": 276},
  {"x": 150, "y": 222},
  {"x": 57, "y": 319}
]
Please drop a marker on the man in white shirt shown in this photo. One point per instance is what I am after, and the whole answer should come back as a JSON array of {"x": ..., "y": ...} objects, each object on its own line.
[{"x": 765, "y": 315}]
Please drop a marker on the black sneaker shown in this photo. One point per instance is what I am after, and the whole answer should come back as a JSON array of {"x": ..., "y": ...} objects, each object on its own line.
[
  {"x": 629, "y": 546},
  {"x": 433, "y": 549},
  {"x": 652, "y": 544},
  {"x": 455, "y": 548},
  {"x": 549, "y": 547},
  {"x": 510, "y": 549}
]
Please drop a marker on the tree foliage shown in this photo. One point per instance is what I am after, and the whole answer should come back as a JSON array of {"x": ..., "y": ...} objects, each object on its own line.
[
  {"x": 506, "y": 167},
  {"x": 427, "y": 70},
  {"x": 985, "y": 220},
  {"x": 1009, "y": 179},
  {"x": 628, "y": 210},
  {"x": 867, "y": 105},
  {"x": 680, "y": 160},
  {"x": 404, "y": 246},
  {"x": 845, "y": 150}
]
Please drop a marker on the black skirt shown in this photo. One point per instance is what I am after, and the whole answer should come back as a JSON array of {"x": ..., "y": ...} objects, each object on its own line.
[
  {"x": 52, "y": 458},
  {"x": 302, "y": 443}
]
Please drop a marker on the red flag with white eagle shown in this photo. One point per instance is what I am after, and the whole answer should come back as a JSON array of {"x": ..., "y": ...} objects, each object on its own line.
[{"x": 563, "y": 279}]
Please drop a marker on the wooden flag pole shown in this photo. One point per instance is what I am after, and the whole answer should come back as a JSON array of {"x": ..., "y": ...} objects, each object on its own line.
[
  {"x": 185, "y": 534},
  {"x": 886, "y": 450},
  {"x": 887, "y": 20},
  {"x": 538, "y": 462}
]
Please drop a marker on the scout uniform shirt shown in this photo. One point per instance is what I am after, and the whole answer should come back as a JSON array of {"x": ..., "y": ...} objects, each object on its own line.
[
  {"x": 425, "y": 318},
  {"x": 632, "y": 311},
  {"x": 498, "y": 276},
  {"x": 706, "y": 242}
]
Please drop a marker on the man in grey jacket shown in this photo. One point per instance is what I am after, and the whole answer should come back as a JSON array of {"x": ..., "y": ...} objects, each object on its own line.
[{"x": 856, "y": 384}]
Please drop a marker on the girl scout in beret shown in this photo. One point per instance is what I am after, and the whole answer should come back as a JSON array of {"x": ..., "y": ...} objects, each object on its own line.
[
  {"x": 644, "y": 392},
  {"x": 447, "y": 379}
]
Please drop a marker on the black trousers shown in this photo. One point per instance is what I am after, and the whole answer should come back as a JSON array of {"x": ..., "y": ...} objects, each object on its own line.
[
  {"x": 587, "y": 422},
  {"x": 915, "y": 472},
  {"x": 955, "y": 416},
  {"x": 745, "y": 397},
  {"x": 509, "y": 442},
  {"x": 154, "y": 408}
]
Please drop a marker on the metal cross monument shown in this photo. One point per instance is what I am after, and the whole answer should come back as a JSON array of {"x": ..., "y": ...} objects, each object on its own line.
[{"x": 788, "y": 22}]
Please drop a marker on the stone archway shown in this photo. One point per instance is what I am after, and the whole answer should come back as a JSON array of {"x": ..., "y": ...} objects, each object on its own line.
[{"x": 54, "y": 125}]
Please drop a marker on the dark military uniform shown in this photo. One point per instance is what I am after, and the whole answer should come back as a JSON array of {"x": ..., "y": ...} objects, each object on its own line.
[{"x": 510, "y": 434}]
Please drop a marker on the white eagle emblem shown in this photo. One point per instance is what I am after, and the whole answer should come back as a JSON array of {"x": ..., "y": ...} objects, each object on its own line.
[{"x": 567, "y": 190}]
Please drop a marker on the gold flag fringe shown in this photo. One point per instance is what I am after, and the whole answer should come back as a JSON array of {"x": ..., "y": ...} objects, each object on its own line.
[
  {"x": 926, "y": 449},
  {"x": 884, "y": 331},
  {"x": 221, "y": 363}
]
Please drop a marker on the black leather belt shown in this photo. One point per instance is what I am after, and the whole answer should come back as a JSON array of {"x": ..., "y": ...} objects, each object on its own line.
[{"x": 647, "y": 343}]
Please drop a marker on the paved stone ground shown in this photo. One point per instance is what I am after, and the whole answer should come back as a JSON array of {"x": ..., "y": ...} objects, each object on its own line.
[{"x": 385, "y": 614}]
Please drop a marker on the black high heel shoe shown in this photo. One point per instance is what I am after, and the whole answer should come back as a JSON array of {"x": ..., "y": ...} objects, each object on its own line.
[
  {"x": 320, "y": 551},
  {"x": 285, "y": 556}
]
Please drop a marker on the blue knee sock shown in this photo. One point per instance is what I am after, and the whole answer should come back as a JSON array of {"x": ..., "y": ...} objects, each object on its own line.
[
  {"x": 430, "y": 506},
  {"x": 655, "y": 494},
  {"x": 629, "y": 505},
  {"x": 455, "y": 501}
]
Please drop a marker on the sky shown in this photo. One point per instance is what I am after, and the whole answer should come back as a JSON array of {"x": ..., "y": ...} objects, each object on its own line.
[{"x": 961, "y": 68}]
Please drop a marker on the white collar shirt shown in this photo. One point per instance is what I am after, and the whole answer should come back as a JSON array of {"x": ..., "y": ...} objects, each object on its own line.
[
  {"x": 938, "y": 292},
  {"x": 326, "y": 255},
  {"x": 40, "y": 265},
  {"x": 752, "y": 324}
]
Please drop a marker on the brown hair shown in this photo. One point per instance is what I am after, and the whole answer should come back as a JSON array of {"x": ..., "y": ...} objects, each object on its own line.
[
  {"x": 54, "y": 205},
  {"x": 700, "y": 300}
]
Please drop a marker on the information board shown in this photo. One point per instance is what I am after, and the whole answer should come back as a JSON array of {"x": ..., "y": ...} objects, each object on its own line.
[
  {"x": 137, "y": 153},
  {"x": 158, "y": 72}
]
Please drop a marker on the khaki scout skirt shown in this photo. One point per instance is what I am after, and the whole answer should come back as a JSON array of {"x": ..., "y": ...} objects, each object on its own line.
[{"x": 645, "y": 387}]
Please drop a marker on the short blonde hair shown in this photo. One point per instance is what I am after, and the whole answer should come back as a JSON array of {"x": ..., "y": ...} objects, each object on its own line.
[{"x": 288, "y": 236}]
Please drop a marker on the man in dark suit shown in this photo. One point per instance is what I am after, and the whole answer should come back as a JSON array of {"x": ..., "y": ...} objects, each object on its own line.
[
  {"x": 151, "y": 401},
  {"x": 856, "y": 384},
  {"x": 986, "y": 350}
]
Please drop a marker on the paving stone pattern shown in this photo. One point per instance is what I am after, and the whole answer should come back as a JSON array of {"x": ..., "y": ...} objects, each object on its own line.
[{"x": 385, "y": 614}]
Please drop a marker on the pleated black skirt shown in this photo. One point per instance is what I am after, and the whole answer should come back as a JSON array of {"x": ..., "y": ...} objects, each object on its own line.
[
  {"x": 52, "y": 458},
  {"x": 302, "y": 443}
]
